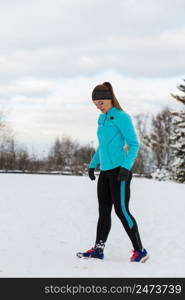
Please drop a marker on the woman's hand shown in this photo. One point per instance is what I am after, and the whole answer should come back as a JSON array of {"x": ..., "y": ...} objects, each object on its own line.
[
  {"x": 123, "y": 174},
  {"x": 91, "y": 173}
]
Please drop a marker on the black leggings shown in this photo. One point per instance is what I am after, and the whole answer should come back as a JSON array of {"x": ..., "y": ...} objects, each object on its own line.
[{"x": 111, "y": 191}]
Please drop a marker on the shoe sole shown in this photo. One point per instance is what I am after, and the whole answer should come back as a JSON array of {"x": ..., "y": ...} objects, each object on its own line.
[
  {"x": 79, "y": 255},
  {"x": 144, "y": 259}
]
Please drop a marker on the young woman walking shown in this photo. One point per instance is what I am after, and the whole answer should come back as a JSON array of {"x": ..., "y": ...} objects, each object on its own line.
[{"x": 115, "y": 131}]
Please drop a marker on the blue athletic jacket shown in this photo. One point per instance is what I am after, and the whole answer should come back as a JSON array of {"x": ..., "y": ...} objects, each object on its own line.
[{"x": 115, "y": 129}]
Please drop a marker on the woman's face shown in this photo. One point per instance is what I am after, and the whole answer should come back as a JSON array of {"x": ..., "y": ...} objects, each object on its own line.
[{"x": 103, "y": 105}]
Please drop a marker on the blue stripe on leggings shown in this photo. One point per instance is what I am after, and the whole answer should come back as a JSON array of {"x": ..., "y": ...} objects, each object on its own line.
[{"x": 128, "y": 218}]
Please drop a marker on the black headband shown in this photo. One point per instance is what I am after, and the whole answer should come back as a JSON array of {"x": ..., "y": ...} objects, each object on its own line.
[{"x": 101, "y": 95}]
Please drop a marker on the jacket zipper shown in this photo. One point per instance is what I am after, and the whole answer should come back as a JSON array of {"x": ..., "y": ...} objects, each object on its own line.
[
  {"x": 105, "y": 119},
  {"x": 109, "y": 141}
]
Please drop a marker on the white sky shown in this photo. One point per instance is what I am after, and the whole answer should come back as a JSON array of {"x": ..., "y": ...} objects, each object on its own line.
[{"x": 53, "y": 53}]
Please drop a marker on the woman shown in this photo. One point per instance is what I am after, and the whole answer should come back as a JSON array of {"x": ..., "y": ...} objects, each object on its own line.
[{"x": 115, "y": 131}]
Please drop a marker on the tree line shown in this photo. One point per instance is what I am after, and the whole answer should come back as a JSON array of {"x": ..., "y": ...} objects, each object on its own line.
[{"x": 161, "y": 155}]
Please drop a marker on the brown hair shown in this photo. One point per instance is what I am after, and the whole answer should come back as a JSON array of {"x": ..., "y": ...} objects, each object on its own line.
[{"x": 106, "y": 86}]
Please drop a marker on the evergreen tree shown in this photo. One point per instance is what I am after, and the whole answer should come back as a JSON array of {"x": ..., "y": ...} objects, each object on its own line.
[
  {"x": 181, "y": 87},
  {"x": 178, "y": 140},
  {"x": 178, "y": 146}
]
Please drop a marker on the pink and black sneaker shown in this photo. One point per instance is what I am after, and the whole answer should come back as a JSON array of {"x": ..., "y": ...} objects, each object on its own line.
[
  {"x": 139, "y": 256},
  {"x": 95, "y": 252}
]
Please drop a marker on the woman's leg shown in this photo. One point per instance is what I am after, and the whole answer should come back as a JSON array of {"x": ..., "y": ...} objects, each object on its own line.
[
  {"x": 120, "y": 192},
  {"x": 105, "y": 207}
]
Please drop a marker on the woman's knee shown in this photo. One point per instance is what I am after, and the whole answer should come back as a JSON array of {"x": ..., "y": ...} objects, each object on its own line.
[{"x": 118, "y": 212}]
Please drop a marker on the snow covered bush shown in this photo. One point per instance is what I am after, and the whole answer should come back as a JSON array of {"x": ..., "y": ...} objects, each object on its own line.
[{"x": 161, "y": 174}]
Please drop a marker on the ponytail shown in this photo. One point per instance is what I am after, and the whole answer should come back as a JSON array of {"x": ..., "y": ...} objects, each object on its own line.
[{"x": 114, "y": 99}]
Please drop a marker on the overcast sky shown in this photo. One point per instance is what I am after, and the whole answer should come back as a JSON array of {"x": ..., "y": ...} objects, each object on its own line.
[{"x": 53, "y": 53}]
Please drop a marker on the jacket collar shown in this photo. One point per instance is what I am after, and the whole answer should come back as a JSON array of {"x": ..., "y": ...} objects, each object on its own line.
[{"x": 111, "y": 111}]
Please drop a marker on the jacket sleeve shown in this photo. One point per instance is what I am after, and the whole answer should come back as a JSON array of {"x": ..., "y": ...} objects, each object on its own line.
[
  {"x": 95, "y": 159},
  {"x": 128, "y": 132}
]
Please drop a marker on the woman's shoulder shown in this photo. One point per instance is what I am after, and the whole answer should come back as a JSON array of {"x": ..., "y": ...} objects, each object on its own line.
[{"x": 122, "y": 115}]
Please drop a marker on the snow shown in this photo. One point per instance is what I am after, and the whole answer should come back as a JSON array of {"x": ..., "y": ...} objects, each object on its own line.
[{"x": 45, "y": 220}]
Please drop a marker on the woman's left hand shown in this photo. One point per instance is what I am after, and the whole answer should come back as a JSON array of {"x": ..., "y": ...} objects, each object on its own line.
[{"x": 91, "y": 173}]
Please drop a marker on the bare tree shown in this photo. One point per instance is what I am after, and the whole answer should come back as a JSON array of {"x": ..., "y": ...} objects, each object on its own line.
[
  {"x": 143, "y": 161},
  {"x": 62, "y": 153},
  {"x": 82, "y": 157},
  {"x": 160, "y": 138}
]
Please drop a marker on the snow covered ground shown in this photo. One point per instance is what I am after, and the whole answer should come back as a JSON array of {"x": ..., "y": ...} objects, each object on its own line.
[{"x": 45, "y": 220}]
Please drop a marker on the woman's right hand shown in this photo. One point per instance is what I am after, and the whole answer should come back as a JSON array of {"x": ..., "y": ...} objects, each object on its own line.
[
  {"x": 91, "y": 173},
  {"x": 123, "y": 174}
]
